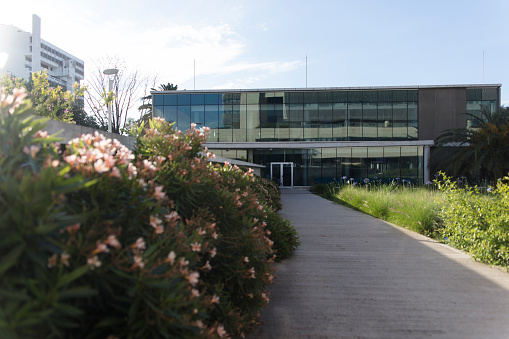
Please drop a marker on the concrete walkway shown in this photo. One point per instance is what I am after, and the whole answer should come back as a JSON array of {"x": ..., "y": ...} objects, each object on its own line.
[{"x": 355, "y": 276}]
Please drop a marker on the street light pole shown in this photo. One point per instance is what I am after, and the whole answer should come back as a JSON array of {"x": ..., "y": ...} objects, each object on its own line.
[{"x": 110, "y": 71}]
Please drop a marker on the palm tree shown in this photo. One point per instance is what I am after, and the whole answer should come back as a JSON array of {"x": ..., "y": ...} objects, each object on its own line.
[{"x": 480, "y": 150}]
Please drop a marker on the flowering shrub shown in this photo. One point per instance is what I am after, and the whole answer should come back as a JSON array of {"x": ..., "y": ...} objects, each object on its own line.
[
  {"x": 152, "y": 244},
  {"x": 476, "y": 222}
]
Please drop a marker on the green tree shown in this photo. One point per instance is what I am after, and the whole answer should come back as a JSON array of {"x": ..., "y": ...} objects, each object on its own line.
[
  {"x": 49, "y": 102},
  {"x": 480, "y": 150}
]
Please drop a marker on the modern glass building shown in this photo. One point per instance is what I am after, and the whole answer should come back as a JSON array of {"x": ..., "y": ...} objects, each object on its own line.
[{"x": 306, "y": 136}]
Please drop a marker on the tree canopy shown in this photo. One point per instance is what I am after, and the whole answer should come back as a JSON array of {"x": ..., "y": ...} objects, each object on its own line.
[
  {"x": 50, "y": 102},
  {"x": 480, "y": 151}
]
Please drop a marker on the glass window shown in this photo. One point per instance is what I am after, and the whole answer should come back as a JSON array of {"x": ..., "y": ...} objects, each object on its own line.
[
  {"x": 369, "y": 120},
  {"x": 184, "y": 118},
  {"x": 358, "y": 162},
  {"x": 340, "y": 96},
  {"x": 198, "y": 115},
  {"x": 170, "y": 99},
  {"x": 385, "y": 121},
  {"x": 294, "y": 97},
  {"x": 474, "y": 94},
  {"x": 158, "y": 112},
  {"x": 310, "y": 97},
  {"x": 325, "y": 116},
  {"x": 183, "y": 99},
  {"x": 344, "y": 156},
  {"x": 375, "y": 163},
  {"x": 170, "y": 114},
  {"x": 239, "y": 123},
  {"x": 413, "y": 95},
  {"x": 197, "y": 99},
  {"x": 314, "y": 166},
  {"x": 231, "y": 98},
  {"x": 253, "y": 98},
  {"x": 253, "y": 122},
  {"x": 211, "y": 116},
  {"x": 211, "y": 99},
  {"x": 325, "y": 97},
  {"x": 339, "y": 121},
  {"x": 399, "y": 96},
  {"x": 369, "y": 96},
  {"x": 329, "y": 164},
  {"x": 400, "y": 115},
  {"x": 158, "y": 99},
  {"x": 385, "y": 96},
  {"x": 391, "y": 167},
  {"x": 354, "y": 121},
  {"x": 413, "y": 121},
  {"x": 355, "y": 96}
]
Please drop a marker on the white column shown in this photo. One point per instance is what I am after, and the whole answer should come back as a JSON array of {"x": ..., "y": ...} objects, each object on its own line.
[{"x": 426, "y": 156}]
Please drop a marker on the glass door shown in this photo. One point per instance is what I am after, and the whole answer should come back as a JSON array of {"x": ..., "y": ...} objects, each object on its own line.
[{"x": 282, "y": 173}]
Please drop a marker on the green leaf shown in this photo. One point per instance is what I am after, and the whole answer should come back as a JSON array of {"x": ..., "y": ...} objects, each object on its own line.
[
  {"x": 66, "y": 279},
  {"x": 77, "y": 292},
  {"x": 11, "y": 258}
]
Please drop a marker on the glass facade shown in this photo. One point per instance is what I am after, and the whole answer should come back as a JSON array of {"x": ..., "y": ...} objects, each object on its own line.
[
  {"x": 479, "y": 99},
  {"x": 315, "y": 165},
  {"x": 295, "y": 115},
  {"x": 328, "y": 116}
]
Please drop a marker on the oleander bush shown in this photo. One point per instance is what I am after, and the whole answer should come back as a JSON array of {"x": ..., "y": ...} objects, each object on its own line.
[
  {"x": 97, "y": 241},
  {"x": 477, "y": 222}
]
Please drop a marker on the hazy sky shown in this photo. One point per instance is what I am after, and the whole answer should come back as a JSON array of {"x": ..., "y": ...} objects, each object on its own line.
[{"x": 263, "y": 44}]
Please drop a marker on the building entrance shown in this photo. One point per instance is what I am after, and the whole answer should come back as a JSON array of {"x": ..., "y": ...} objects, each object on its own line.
[{"x": 282, "y": 173}]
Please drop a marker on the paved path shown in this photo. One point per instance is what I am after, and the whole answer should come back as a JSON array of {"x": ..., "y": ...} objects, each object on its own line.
[{"x": 355, "y": 276}]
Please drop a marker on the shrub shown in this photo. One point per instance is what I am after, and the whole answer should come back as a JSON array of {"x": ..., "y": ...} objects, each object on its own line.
[
  {"x": 153, "y": 244},
  {"x": 477, "y": 223}
]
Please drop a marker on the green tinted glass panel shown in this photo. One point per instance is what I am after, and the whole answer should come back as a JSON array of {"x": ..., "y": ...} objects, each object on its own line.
[
  {"x": 211, "y": 99},
  {"x": 158, "y": 99},
  {"x": 294, "y": 97},
  {"x": 369, "y": 96},
  {"x": 170, "y": 99},
  {"x": 183, "y": 99},
  {"x": 211, "y": 116},
  {"x": 413, "y": 95},
  {"x": 490, "y": 94},
  {"x": 474, "y": 94},
  {"x": 385, "y": 96},
  {"x": 355, "y": 96},
  {"x": 340, "y": 96},
  {"x": 399, "y": 96},
  {"x": 197, "y": 99},
  {"x": 184, "y": 118},
  {"x": 170, "y": 113}
]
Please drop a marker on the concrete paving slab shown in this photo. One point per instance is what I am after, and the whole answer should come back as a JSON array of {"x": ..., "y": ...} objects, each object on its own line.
[{"x": 355, "y": 276}]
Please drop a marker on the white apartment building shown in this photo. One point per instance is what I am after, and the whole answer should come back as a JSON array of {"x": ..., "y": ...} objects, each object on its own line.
[{"x": 22, "y": 53}]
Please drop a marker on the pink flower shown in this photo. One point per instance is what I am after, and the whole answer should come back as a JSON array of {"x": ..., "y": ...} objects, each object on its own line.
[
  {"x": 52, "y": 261},
  {"x": 155, "y": 221},
  {"x": 100, "y": 166},
  {"x": 183, "y": 262},
  {"x": 213, "y": 252},
  {"x": 158, "y": 193},
  {"x": 139, "y": 244},
  {"x": 171, "y": 257},
  {"x": 101, "y": 248},
  {"x": 246, "y": 259},
  {"x": 138, "y": 262},
  {"x": 32, "y": 150},
  {"x": 112, "y": 241},
  {"x": 196, "y": 246},
  {"x": 221, "y": 331},
  {"x": 172, "y": 215},
  {"x": 94, "y": 262},
  {"x": 193, "y": 278},
  {"x": 195, "y": 293},
  {"x": 265, "y": 297},
  {"x": 252, "y": 272},
  {"x": 215, "y": 299},
  {"x": 64, "y": 258}
]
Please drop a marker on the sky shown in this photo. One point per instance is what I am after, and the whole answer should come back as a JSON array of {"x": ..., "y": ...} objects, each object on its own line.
[{"x": 243, "y": 44}]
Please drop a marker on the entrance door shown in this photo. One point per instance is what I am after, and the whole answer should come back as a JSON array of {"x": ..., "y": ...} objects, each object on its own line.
[{"x": 282, "y": 173}]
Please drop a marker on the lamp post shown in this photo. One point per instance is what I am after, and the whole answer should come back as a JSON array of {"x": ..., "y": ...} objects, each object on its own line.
[{"x": 110, "y": 71}]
